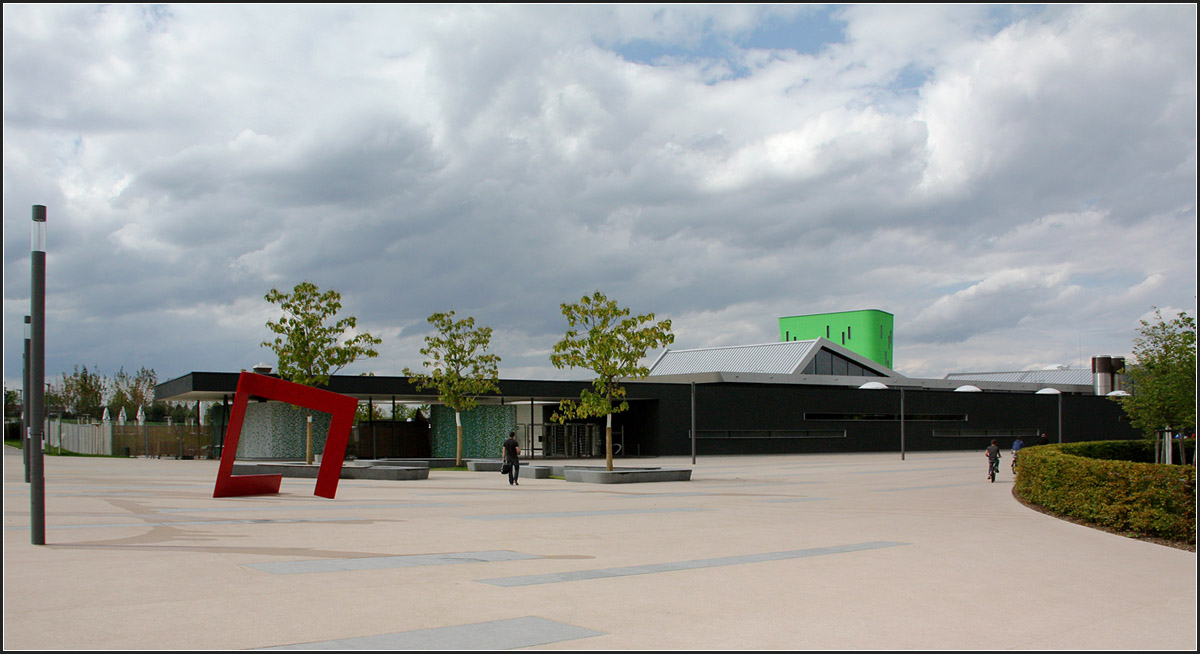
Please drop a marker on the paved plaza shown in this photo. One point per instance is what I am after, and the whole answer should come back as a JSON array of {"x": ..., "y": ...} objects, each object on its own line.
[{"x": 813, "y": 552}]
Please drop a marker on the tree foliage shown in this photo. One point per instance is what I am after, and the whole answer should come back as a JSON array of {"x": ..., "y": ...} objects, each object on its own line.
[
  {"x": 131, "y": 392},
  {"x": 12, "y": 403},
  {"x": 310, "y": 347},
  {"x": 84, "y": 392},
  {"x": 461, "y": 368},
  {"x": 606, "y": 339},
  {"x": 1162, "y": 379}
]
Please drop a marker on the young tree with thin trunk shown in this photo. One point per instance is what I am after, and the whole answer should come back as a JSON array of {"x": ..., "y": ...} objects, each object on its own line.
[
  {"x": 1162, "y": 379},
  {"x": 607, "y": 340},
  {"x": 461, "y": 367},
  {"x": 310, "y": 347}
]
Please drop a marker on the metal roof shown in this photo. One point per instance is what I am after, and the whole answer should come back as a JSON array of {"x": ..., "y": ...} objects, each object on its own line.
[
  {"x": 785, "y": 358},
  {"x": 1078, "y": 376}
]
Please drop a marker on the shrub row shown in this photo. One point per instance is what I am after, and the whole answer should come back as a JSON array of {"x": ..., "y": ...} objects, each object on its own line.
[
  {"x": 1139, "y": 499},
  {"x": 1139, "y": 451}
]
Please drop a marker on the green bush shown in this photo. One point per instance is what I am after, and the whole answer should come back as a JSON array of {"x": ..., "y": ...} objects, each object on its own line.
[
  {"x": 1137, "y": 498},
  {"x": 1139, "y": 451}
]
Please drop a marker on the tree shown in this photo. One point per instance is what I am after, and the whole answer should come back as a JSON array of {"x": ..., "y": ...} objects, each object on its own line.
[
  {"x": 12, "y": 403},
  {"x": 607, "y": 340},
  {"x": 83, "y": 392},
  {"x": 1162, "y": 379},
  {"x": 462, "y": 369},
  {"x": 122, "y": 395},
  {"x": 310, "y": 350},
  {"x": 141, "y": 389},
  {"x": 369, "y": 413}
]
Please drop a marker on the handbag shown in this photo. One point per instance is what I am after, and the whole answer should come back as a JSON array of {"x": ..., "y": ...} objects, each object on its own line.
[{"x": 505, "y": 468}]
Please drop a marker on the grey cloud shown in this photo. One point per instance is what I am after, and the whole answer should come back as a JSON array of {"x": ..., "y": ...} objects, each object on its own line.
[{"x": 498, "y": 162}]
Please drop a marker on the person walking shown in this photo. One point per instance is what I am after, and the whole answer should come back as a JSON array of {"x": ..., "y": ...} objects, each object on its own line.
[
  {"x": 512, "y": 456},
  {"x": 1044, "y": 439}
]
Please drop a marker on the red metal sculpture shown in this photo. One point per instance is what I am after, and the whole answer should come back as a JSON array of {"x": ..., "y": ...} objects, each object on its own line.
[{"x": 340, "y": 407}]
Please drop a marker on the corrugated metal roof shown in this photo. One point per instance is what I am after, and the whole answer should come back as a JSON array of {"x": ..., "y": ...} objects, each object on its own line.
[
  {"x": 1079, "y": 376},
  {"x": 771, "y": 358}
]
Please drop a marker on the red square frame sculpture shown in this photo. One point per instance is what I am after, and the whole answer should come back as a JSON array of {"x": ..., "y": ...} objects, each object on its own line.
[{"x": 340, "y": 407}]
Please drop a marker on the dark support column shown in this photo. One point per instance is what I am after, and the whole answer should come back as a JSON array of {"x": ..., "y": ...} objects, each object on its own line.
[{"x": 224, "y": 421}]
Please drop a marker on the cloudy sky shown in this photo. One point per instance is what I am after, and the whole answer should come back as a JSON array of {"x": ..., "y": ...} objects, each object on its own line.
[{"x": 1016, "y": 184}]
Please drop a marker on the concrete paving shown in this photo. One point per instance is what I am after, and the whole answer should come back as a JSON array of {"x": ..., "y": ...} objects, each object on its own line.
[{"x": 813, "y": 552}]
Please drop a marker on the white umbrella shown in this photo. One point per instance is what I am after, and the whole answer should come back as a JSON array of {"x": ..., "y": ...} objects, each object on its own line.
[
  {"x": 121, "y": 417},
  {"x": 141, "y": 416},
  {"x": 105, "y": 417}
]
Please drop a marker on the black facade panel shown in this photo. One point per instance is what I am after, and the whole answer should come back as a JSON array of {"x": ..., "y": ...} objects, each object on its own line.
[
  {"x": 738, "y": 418},
  {"x": 770, "y": 419}
]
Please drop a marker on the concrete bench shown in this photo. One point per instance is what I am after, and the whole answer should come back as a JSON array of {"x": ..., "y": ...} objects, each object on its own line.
[
  {"x": 626, "y": 475},
  {"x": 304, "y": 471},
  {"x": 493, "y": 465}
]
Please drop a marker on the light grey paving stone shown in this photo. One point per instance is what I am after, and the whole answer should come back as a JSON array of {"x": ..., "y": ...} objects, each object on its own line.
[
  {"x": 495, "y": 635},
  {"x": 603, "y": 573},
  {"x": 387, "y": 562}
]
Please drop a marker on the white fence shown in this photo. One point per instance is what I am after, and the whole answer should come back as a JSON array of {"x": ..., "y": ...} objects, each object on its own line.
[
  {"x": 177, "y": 441},
  {"x": 81, "y": 439}
]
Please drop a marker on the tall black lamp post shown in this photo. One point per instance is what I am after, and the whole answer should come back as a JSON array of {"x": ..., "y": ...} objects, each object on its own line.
[
  {"x": 37, "y": 377},
  {"x": 25, "y": 404}
]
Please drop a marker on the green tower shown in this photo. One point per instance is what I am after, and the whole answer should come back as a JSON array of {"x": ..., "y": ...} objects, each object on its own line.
[{"x": 867, "y": 332}]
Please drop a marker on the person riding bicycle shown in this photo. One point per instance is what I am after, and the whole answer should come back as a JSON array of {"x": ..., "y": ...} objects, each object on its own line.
[
  {"x": 1016, "y": 447},
  {"x": 993, "y": 455}
]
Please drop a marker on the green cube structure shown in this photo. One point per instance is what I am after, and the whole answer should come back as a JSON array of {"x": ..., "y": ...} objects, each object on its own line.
[{"x": 867, "y": 332}]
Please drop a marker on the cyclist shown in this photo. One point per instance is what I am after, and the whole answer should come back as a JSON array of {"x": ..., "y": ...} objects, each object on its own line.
[
  {"x": 1017, "y": 445},
  {"x": 993, "y": 455}
]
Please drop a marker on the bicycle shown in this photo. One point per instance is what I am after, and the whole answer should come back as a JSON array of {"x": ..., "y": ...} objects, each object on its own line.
[
  {"x": 993, "y": 469},
  {"x": 1014, "y": 463}
]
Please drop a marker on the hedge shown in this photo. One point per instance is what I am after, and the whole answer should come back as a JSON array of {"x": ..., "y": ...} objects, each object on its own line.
[
  {"x": 1138, "y": 499},
  {"x": 1139, "y": 451}
]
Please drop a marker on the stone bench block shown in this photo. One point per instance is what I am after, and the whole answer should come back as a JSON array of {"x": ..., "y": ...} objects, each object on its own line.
[
  {"x": 304, "y": 471},
  {"x": 625, "y": 476}
]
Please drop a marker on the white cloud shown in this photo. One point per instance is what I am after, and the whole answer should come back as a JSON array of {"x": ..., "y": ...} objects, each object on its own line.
[{"x": 1010, "y": 182}]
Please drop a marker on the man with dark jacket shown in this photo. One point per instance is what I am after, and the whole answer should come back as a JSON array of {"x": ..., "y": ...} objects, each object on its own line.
[{"x": 512, "y": 456}]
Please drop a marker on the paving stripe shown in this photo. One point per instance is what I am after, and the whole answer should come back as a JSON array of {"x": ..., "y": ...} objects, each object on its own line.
[
  {"x": 799, "y": 499},
  {"x": 657, "y": 495},
  {"x": 388, "y": 562},
  {"x": 908, "y": 488},
  {"x": 495, "y": 635},
  {"x": 576, "y": 514},
  {"x": 310, "y": 507},
  {"x": 653, "y": 568},
  {"x": 913, "y": 469},
  {"x": 181, "y": 523}
]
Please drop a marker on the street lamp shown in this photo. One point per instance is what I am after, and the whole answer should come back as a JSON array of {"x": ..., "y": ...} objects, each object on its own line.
[
  {"x": 1055, "y": 391},
  {"x": 37, "y": 377},
  {"x": 25, "y": 405},
  {"x": 877, "y": 386}
]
